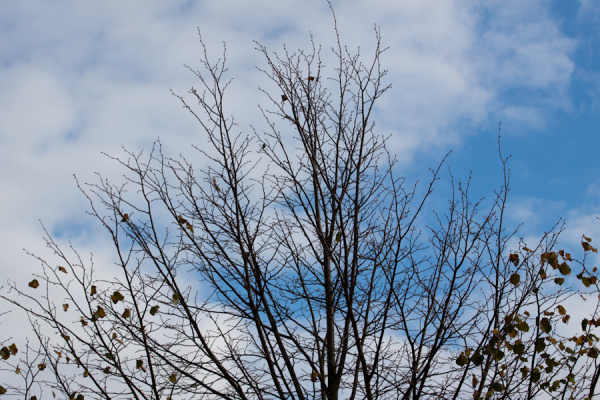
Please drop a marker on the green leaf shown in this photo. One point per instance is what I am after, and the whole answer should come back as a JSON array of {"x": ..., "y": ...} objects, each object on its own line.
[
  {"x": 535, "y": 376},
  {"x": 153, "y": 310},
  {"x": 498, "y": 387},
  {"x": 564, "y": 269},
  {"x": 462, "y": 360},
  {"x": 559, "y": 281},
  {"x": 499, "y": 355},
  {"x": 175, "y": 299},
  {"x": 545, "y": 325},
  {"x": 515, "y": 279},
  {"x": 519, "y": 348},
  {"x": 540, "y": 345},
  {"x": 338, "y": 237},
  {"x": 173, "y": 378},
  {"x": 523, "y": 327},
  {"x": 477, "y": 359}
]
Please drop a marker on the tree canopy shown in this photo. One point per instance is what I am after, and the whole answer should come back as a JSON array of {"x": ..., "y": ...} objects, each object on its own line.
[{"x": 294, "y": 265}]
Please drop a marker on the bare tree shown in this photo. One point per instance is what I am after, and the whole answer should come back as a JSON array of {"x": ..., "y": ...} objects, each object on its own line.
[{"x": 315, "y": 276}]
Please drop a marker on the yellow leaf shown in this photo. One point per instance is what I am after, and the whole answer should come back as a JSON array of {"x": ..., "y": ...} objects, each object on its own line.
[
  {"x": 189, "y": 226},
  {"x": 314, "y": 376},
  {"x": 18, "y": 371},
  {"x": 34, "y": 284},
  {"x": 86, "y": 374}
]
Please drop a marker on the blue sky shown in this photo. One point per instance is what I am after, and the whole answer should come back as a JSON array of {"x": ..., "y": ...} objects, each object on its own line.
[{"x": 81, "y": 78}]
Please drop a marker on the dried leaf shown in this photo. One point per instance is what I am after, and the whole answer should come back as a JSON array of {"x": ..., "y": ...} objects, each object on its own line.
[
  {"x": 100, "y": 313},
  {"x": 62, "y": 269},
  {"x": 116, "y": 297},
  {"x": 4, "y": 353},
  {"x": 34, "y": 284},
  {"x": 125, "y": 217}
]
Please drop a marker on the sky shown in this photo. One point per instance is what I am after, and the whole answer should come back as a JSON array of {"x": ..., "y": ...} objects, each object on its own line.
[{"x": 79, "y": 79}]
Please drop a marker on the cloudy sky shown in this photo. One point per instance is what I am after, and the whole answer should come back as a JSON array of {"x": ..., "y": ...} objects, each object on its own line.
[{"x": 78, "y": 78}]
